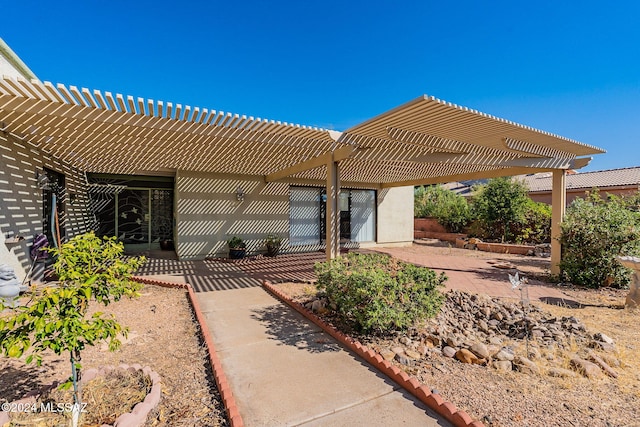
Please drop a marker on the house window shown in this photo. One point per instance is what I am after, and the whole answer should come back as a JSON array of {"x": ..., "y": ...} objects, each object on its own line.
[{"x": 307, "y": 215}]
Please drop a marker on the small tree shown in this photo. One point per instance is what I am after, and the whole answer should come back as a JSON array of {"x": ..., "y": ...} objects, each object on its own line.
[
  {"x": 450, "y": 209},
  {"x": 593, "y": 234},
  {"x": 499, "y": 204},
  {"x": 89, "y": 269}
]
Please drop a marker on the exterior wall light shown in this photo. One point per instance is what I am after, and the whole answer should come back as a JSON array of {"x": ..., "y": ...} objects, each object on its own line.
[{"x": 240, "y": 194}]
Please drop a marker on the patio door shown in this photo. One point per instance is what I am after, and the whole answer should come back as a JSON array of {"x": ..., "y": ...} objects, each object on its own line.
[
  {"x": 140, "y": 216},
  {"x": 133, "y": 219}
]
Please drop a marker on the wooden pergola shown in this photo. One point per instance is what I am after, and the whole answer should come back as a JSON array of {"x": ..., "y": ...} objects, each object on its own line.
[{"x": 424, "y": 141}]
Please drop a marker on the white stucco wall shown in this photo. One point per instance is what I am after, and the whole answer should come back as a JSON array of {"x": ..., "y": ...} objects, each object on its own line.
[
  {"x": 208, "y": 214},
  {"x": 21, "y": 205},
  {"x": 395, "y": 215}
]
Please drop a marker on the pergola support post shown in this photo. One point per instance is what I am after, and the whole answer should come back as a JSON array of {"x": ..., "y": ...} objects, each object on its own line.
[
  {"x": 558, "y": 207},
  {"x": 332, "y": 238}
]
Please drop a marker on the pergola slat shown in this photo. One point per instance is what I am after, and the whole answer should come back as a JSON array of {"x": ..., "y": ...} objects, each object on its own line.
[{"x": 424, "y": 139}]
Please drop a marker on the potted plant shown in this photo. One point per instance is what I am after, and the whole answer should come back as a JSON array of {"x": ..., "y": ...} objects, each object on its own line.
[
  {"x": 273, "y": 242},
  {"x": 237, "y": 248}
]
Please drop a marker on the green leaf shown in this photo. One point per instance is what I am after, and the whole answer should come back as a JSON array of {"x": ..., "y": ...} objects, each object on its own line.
[{"x": 14, "y": 351}]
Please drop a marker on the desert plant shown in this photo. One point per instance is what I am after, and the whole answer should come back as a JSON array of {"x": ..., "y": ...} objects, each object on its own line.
[
  {"x": 237, "y": 247},
  {"x": 499, "y": 204},
  {"x": 593, "y": 233},
  {"x": 375, "y": 293},
  {"x": 273, "y": 243},
  {"x": 89, "y": 269},
  {"x": 236, "y": 243},
  {"x": 450, "y": 209}
]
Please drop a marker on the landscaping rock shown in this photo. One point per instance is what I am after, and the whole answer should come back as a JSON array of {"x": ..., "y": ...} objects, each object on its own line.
[
  {"x": 405, "y": 340},
  {"x": 423, "y": 349},
  {"x": 525, "y": 365},
  {"x": 466, "y": 356},
  {"x": 401, "y": 358},
  {"x": 502, "y": 365},
  {"x": 504, "y": 354},
  {"x": 413, "y": 354},
  {"x": 398, "y": 350},
  {"x": 449, "y": 351},
  {"x": 585, "y": 368},
  {"x": 561, "y": 373},
  {"x": 602, "y": 364},
  {"x": 480, "y": 350},
  {"x": 387, "y": 354}
]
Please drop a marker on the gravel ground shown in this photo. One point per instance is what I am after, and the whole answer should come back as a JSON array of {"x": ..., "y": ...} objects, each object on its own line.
[
  {"x": 520, "y": 399},
  {"x": 164, "y": 336}
]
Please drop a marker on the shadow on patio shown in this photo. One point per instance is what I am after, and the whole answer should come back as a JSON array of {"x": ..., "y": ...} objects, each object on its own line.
[{"x": 204, "y": 276}]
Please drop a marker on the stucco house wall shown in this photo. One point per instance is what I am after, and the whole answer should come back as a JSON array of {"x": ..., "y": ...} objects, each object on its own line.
[
  {"x": 208, "y": 213},
  {"x": 395, "y": 215},
  {"x": 21, "y": 205}
]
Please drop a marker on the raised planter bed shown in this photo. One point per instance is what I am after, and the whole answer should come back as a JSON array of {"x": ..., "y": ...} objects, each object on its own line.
[{"x": 505, "y": 248}]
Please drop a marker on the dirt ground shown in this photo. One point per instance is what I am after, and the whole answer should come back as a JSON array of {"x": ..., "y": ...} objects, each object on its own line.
[
  {"x": 162, "y": 335},
  {"x": 519, "y": 399}
]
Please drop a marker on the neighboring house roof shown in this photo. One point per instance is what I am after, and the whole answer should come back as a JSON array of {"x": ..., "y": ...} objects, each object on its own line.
[
  {"x": 630, "y": 177},
  {"x": 12, "y": 64}
]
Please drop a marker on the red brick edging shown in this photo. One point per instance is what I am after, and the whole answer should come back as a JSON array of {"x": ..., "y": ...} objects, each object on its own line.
[
  {"x": 452, "y": 414},
  {"x": 221, "y": 379}
]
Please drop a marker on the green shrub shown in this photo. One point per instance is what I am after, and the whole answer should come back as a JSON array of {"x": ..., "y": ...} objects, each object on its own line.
[
  {"x": 593, "y": 233},
  {"x": 535, "y": 226},
  {"x": 375, "y": 293},
  {"x": 450, "y": 209},
  {"x": 499, "y": 205}
]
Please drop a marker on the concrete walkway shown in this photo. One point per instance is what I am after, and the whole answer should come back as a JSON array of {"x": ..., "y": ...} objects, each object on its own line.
[{"x": 285, "y": 371}]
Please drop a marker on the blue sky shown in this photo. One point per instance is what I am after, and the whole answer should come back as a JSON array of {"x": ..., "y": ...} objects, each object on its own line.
[{"x": 571, "y": 68}]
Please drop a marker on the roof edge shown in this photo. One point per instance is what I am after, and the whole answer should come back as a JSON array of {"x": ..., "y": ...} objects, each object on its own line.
[
  {"x": 15, "y": 60},
  {"x": 428, "y": 98}
]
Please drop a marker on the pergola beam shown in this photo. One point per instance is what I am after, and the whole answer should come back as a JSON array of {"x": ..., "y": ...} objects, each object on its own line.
[
  {"x": 492, "y": 173},
  {"x": 335, "y": 156}
]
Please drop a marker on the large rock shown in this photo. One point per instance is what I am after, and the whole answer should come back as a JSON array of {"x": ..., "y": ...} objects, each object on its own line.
[
  {"x": 602, "y": 364},
  {"x": 449, "y": 351},
  {"x": 504, "y": 354},
  {"x": 585, "y": 368},
  {"x": 466, "y": 356},
  {"x": 502, "y": 365},
  {"x": 480, "y": 350},
  {"x": 525, "y": 365},
  {"x": 561, "y": 373}
]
